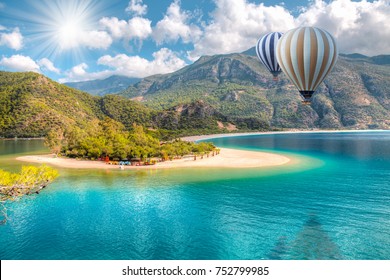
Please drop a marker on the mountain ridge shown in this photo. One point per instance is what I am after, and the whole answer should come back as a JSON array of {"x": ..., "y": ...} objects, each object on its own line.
[
  {"x": 100, "y": 87},
  {"x": 213, "y": 95},
  {"x": 355, "y": 95}
]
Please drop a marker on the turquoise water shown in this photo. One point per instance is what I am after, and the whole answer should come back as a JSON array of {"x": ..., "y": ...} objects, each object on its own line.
[{"x": 334, "y": 205}]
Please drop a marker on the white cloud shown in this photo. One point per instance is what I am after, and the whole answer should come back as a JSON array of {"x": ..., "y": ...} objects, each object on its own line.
[
  {"x": 46, "y": 64},
  {"x": 19, "y": 63},
  {"x": 96, "y": 39},
  {"x": 2, "y": 5},
  {"x": 79, "y": 70},
  {"x": 361, "y": 27},
  {"x": 164, "y": 61},
  {"x": 175, "y": 25},
  {"x": 136, "y": 28},
  {"x": 78, "y": 73},
  {"x": 137, "y": 7},
  {"x": 13, "y": 40},
  {"x": 235, "y": 26}
]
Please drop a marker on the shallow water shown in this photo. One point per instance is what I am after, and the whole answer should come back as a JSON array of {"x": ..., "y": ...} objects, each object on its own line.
[{"x": 334, "y": 205}]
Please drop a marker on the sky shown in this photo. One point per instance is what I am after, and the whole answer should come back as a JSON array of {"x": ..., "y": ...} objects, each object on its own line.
[{"x": 80, "y": 40}]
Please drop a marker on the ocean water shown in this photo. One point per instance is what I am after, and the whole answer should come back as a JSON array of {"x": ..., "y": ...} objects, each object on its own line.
[{"x": 333, "y": 203}]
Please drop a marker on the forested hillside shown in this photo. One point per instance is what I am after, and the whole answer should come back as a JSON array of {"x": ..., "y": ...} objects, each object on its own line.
[
  {"x": 218, "y": 93},
  {"x": 31, "y": 105}
]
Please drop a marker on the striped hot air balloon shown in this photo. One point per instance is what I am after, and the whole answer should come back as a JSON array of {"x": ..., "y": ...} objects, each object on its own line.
[
  {"x": 266, "y": 52},
  {"x": 306, "y": 55}
]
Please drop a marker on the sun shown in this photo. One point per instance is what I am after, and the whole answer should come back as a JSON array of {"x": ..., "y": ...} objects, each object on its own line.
[
  {"x": 69, "y": 34},
  {"x": 59, "y": 26}
]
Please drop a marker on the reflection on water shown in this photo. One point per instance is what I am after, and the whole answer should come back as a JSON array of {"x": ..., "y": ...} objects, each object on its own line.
[
  {"x": 280, "y": 250},
  {"x": 312, "y": 242},
  {"x": 359, "y": 145}
]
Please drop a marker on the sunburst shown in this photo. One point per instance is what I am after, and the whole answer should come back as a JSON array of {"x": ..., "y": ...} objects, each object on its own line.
[{"x": 56, "y": 27}]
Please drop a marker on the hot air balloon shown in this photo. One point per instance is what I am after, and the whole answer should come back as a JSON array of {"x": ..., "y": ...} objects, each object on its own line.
[
  {"x": 306, "y": 55},
  {"x": 266, "y": 52}
]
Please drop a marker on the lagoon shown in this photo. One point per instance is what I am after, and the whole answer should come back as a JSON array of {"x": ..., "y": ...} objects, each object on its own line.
[{"x": 334, "y": 204}]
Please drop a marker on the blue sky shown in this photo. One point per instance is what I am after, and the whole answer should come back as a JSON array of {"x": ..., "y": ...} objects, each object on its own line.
[{"x": 77, "y": 40}]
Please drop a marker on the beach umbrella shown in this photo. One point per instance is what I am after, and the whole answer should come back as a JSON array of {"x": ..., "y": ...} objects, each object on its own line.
[
  {"x": 266, "y": 52},
  {"x": 306, "y": 55}
]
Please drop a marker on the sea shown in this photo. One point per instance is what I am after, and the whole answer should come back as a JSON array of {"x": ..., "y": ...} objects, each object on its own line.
[{"x": 331, "y": 202}]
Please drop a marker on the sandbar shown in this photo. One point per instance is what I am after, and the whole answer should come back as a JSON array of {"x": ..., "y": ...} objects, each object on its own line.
[{"x": 227, "y": 158}]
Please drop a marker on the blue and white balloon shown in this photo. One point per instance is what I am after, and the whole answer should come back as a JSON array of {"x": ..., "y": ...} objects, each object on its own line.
[{"x": 266, "y": 52}]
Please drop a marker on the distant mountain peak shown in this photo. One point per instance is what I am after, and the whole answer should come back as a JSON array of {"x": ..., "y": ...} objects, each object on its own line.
[{"x": 100, "y": 87}]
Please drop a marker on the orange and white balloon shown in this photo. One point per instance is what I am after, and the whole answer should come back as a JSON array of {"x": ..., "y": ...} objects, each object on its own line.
[{"x": 306, "y": 55}]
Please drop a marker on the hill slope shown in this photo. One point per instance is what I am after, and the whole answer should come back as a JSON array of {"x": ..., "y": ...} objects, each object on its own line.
[
  {"x": 355, "y": 95},
  {"x": 113, "y": 84},
  {"x": 31, "y": 105}
]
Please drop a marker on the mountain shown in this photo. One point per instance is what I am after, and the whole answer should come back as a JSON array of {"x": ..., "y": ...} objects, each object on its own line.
[
  {"x": 217, "y": 93},
  {"x": 31, "y": 105},
  {"x": 113, "y": 84},
  {"x": 355, "y": 95},
  {"x": 379, "y": 59}
]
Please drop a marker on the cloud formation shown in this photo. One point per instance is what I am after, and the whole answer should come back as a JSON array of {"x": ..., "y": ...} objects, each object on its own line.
[
  {"x": 136, "y": 7},
  {"x": 135, "y": 28},
  {"x": 175, "y": 25},
  {"x": 232, "y": 26},
  {"x": 164, "y": 61},
  {"x": 46, "y": 65},
  {"x": 13, "y": 40},
  {"x": 79, "y": 73},
  {"x": 361, "y": 27},
  {"x": 236, "y": 25},
  {"x": 19, "y": 63},
  {"x": 96, "y": 39}
]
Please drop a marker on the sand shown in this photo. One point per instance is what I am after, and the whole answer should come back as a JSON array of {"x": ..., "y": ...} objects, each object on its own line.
[{"x": 228, "y": 158}]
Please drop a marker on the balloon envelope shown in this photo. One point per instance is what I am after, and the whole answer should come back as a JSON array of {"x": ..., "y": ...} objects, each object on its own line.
[
  {"x": 266, "y": 52},
  {"x": 306, "y": 55}
]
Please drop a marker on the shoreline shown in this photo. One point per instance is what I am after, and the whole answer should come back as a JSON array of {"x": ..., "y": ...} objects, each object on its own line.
[
  {"x": 195, "y": 138},
  {"x": 232, "y": 134},
  {"x": 228, "y": 158}
]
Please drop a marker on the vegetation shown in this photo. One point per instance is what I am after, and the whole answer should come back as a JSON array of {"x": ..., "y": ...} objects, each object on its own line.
[
  {"x": 355, "y": 95},
  {"x": 109, "y": 138},
  {"x": 208, "y": 96},
  {"x": 30, "y": 180}
]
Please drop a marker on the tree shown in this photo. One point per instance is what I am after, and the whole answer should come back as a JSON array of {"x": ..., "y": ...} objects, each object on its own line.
[
  {"x": 54, "y": 140},
  {"x": 30, "y": 180}
]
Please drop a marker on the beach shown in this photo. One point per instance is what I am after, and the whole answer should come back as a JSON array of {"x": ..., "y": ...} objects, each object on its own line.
[{"x": 227, "y": 158}]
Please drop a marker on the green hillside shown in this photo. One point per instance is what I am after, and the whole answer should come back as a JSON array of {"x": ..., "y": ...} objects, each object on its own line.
[
  {"x": 31, "y": 105},
  {"x": 218, "y": 93}
]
